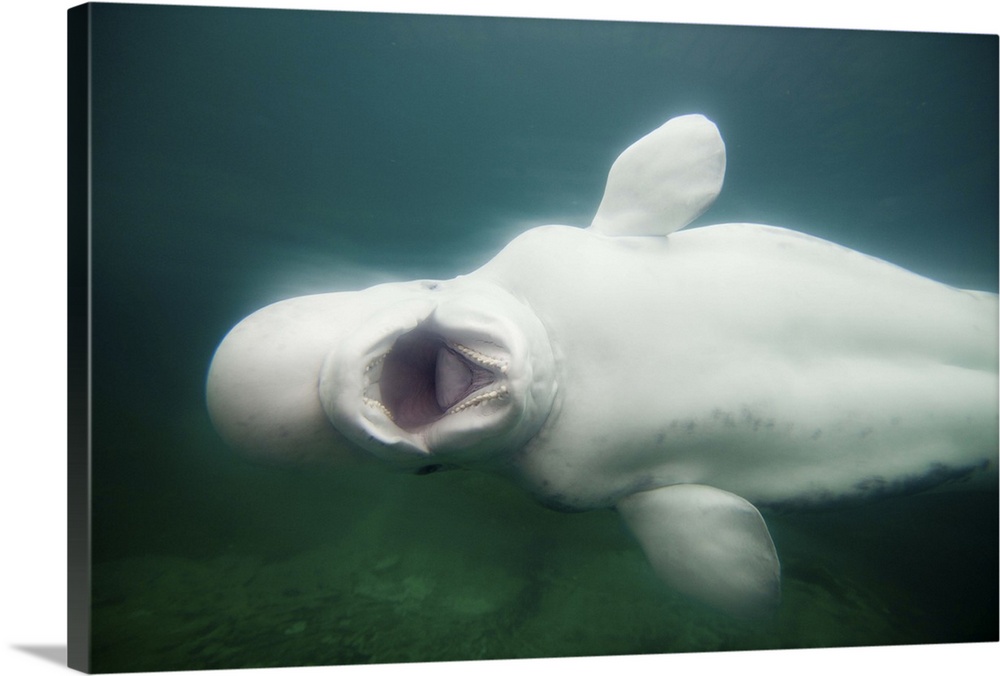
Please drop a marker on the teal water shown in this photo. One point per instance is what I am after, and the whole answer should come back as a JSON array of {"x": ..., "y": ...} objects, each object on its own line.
[{"x": 244, "y": 156}]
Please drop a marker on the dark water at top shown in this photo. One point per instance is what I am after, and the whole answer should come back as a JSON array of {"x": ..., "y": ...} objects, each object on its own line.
[{"x": 244, "y": 156}]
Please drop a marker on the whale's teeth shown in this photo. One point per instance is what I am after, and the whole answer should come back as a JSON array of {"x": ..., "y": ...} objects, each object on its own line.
[
  {"x": 378, "y": 405},
  {"x": 373, "y": 371},
  {"x": 371, "y": 392},
  {"x": 377, "y": 361},
  {"x": 498, "y": 393},
  {"x": 479, "y": 357}
]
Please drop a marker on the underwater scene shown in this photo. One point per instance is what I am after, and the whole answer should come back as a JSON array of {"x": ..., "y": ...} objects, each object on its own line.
[{"x": 245, "y": 156}]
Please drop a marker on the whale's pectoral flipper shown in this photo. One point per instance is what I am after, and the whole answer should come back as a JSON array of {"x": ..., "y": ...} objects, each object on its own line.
[
  {"x": 664, "y": 180},
  {"x": 708, "y": 544}
]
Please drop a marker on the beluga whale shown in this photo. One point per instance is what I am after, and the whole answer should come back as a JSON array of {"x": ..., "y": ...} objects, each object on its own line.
[{"x": 687, "y": 379}]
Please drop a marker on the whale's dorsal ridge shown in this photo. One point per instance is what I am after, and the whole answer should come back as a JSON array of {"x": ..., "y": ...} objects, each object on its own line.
[{"x": 664, "y": 180}]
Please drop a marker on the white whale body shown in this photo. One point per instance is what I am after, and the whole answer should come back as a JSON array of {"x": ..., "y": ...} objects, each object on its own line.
[{"x": 685, "y": 379}]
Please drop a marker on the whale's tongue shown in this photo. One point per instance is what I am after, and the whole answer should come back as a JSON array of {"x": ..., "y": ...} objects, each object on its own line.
[
  {"x": 452, "y": 378},
  {"x": 455, "y": 378}
]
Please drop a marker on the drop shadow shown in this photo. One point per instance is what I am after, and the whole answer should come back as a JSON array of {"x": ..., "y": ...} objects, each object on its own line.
[{"x": 50, "y": 653}]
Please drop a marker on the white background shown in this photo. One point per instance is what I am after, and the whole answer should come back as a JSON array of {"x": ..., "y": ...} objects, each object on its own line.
[{"x": 33, "y": 327}]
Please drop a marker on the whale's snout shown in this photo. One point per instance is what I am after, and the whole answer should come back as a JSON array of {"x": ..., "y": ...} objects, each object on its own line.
[{"x": 406, "y": 373}]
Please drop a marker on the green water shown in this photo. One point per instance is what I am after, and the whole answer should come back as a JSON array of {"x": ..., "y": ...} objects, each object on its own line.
[
  {"x": 243, "y": 156},
  {"x": 253, "y": 569},
  {"x": 323, "y": 569}
]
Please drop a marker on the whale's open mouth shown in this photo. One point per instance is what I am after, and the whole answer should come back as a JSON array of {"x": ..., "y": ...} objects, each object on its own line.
[
  {"x": 459, "y": 374},
  {"x": 425, "y": 377}
]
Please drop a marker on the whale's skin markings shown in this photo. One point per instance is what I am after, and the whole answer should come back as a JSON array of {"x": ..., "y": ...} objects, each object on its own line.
[
  {"x": 877, "y": 488},
  {"x": 747, "y": 420}
]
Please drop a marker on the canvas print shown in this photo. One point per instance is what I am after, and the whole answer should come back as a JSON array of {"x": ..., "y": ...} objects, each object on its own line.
[{"x": 431, "y": 338}]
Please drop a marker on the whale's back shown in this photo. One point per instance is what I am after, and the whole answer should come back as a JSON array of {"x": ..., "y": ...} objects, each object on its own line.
[{"x": 773, "y": 364}]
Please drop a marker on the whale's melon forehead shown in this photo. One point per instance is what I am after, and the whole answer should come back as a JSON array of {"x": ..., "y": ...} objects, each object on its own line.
[{"x": 452, "y": 375}]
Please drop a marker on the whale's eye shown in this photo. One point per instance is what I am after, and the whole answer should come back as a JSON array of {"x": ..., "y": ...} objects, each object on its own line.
[{"x": 424, "y": 377}]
